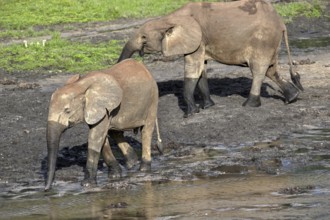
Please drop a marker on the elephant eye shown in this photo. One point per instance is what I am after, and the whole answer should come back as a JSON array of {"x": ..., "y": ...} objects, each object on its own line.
[
  {"x": 169, "y": 31},
  {"x": 67, "y": 110},
  {"x": 144, "y": 39}
]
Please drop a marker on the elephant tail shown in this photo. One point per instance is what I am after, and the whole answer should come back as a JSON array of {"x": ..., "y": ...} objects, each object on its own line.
[
  {"x": 160, "y": 146},
  {"x": 295, "y": 77}
]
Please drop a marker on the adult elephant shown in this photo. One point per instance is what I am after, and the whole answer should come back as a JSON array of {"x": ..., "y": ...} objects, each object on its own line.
[
  {"x": 111, "y": 101},
  {"x": 247, "y": 33}
]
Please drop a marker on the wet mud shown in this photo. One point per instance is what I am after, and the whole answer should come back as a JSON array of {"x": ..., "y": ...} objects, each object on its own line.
[{"x": 227, "y": 161}]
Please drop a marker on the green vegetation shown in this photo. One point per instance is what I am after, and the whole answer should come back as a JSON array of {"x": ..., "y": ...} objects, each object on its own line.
[
  {"x": 290, "y": 10},
  {"x": 59, "y": 55},
  {"x": 21, "y": 15},
  {"x": 21, "y": 19}
]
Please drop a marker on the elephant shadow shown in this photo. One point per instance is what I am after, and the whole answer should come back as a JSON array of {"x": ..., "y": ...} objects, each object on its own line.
[
  {"x": 77, "y": 155},
  {"x": 222, "y": 87}
]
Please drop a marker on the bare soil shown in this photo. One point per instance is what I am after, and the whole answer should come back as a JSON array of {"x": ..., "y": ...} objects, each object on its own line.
[{"x": 24, "y": 100}]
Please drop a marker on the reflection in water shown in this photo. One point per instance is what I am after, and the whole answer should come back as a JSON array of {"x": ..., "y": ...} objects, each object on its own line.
[{"x": 285, "y": 179}]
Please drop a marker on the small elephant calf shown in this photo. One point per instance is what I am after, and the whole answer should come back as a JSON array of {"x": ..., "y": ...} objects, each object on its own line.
[{"x": 123, "y": 97}]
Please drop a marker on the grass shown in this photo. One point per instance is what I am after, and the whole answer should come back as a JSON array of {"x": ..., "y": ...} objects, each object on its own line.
[
  {"x": 45, "y": 13},
  {"x": 59, "y": 55},
  {"x": 21, "y": 19},
  {"x": 303, "y": 8}
]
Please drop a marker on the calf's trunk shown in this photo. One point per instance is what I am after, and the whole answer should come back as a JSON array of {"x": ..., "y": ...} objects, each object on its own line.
[{"x": 54, "y": 131}]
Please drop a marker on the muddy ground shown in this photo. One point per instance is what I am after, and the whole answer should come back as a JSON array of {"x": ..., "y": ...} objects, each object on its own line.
[{"x": 24, "y": 100}]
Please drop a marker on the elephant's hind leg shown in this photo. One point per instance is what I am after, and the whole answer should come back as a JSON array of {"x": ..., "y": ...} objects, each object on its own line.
[
  {"x": 126, "y": 149},
  {"x": 110, "y": 160},
  {"x": 146, "y": 146},
  {"x": 258, "y": 73},
  {"x": 290, "y": 92}
]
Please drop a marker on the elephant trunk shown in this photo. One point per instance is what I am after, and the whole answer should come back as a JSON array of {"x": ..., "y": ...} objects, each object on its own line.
[
  {"x": 126, "y": 53},
  {"x": 54, "y": 131},
  {"x": 129, "y": 49}
]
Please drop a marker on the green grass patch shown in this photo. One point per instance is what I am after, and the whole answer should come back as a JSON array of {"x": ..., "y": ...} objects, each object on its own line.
[
  {"x": 22, "y": 14},
  {"x": 291, "y": 10},
  {"x": 59, "y": 55}
]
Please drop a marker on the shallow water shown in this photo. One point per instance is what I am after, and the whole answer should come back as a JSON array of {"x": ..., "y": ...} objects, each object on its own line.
[
  {"x": 304, "y": 43},
  {"x": 286, "y": 178}
]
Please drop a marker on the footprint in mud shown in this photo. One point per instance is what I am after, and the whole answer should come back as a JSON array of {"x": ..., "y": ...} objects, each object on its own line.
[
  {"x": 303, "y": 62},
  {"x": 12, "y": 84},
  {"x": 118, "y": 205},
  {"x": 297, "y": 190},
  {"x": 7, "y": 81}
]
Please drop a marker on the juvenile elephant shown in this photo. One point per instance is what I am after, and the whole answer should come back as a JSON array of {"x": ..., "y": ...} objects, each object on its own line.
[
  {"x": 245, "y": 33},
  {"x": 123, "y": 97}
]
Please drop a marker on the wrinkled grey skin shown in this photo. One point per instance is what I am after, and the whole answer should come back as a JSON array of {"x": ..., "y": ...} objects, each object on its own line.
[
  {"x": 246, "y": 33},
  {"x": 123, "y": 97}
]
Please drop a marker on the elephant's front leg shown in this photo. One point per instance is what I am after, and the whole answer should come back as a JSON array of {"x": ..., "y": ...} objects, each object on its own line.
[
  {"x": 194, "y": 66},
  {"x": 96, "y": 139},
  {"x": 188, "y": 95},
  {"x": 203, "y": 87}
]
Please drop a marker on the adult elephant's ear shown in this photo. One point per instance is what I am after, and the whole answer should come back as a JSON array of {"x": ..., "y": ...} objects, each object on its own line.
[
  {"x": 103, "y": 95},
  {"x": 183, "y": 37}
]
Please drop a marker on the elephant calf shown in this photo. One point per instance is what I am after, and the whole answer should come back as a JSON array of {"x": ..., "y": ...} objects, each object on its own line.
[
  {"x": 245, "y": 33},
  {"x": 123, "y": 97}
]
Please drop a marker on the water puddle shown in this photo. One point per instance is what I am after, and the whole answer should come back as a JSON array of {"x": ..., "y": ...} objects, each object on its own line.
[
  {"x": 304, "y": 43},
  {"x": 286, "y": 178}
]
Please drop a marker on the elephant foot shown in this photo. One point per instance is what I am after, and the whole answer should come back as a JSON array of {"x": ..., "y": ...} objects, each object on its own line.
[
  {"x": 191, "y": 111},
  {"x": 290, "y": 93},
  {"x": 145, "y": 166},
  {"x": 253, "y": 101},
  {"x": 89, "y": 183},
  {"x": 207, "y": 104},
  {"x": 131, "y": 159},
  {"x": 114, "y": 172},
  {"x": 296, "y": 81}
]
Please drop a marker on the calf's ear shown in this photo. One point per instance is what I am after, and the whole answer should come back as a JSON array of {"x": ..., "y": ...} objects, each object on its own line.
[{"x": 103, "y": 96}]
